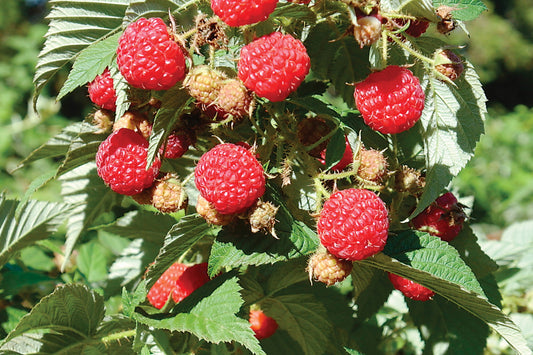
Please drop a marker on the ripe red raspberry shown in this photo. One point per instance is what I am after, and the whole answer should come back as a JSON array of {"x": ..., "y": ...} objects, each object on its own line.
[
  {"x": 121, "y": 162},
  {"x": 274, "y": 65},
  {"x": 353, "y": 224},
  {"x": 148, "y": 57},
  {"x": 391, "y": 100},
  {"x": 449, "y": 64},
  {"x": 204, "y": 83},
  {"x": 177, "y": 144},
  {"x": 367, "y": 31},
  {"x": 262, "y": 325},
  {"x": 410, "y": 288},
  {"x": 230, "y": 177},
  {"x": 443, "y": 218},
  {"x": 372, "y": 165},
  {"x": 327, "y": 268},
  {"x": 243, "y": 12},
  {"x": 191, "y": 279},
  {"x": 101, "y": 91},
  {"x": 163, "y": 287}
]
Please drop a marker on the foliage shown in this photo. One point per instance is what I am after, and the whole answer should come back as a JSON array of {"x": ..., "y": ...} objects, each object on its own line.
[{"x": 114, "y": 249}]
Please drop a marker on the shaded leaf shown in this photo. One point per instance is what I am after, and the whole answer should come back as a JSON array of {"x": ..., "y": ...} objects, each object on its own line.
[
  {"x": 451, "y": 124},
  {"x": 303, "y": 317},
  {"x": 213, "y": 318},
  {"x": 71, "y": 310},
  {"x": 146, "y": 225},
  {"x": 183, "y": 235},
  {"x": 84, "y": 188},
  {"x": 132, "y": 262},
  {"x": 466, "y": 10},
  {"x": 34, "y": 220},
  {"x": 74, "y": 25},
  {"x": 91, "y": 62}
]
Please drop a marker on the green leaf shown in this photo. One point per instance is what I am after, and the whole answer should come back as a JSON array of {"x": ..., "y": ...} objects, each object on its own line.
[
  {"x": 431, "y": 254},
  {"x": 58, "y": 145},
  {"x": 121, "y": 90},
  {"x": 92, "y": 261},
  {"x": 85, "y": 189},
  {"x": 287, "y": 273},
  {"x": 15, "y": 279},
  {"x": 295, "y": 11},
  {"x": 130, "y": 301},
  {"x": 117, "y": 334},
  {"x": 335, "y": 149},
  {"x": 159, "y": 8},
  {"x": 82, "y": 148},
  {"x": 371, "y": 290},
  {"x": 34, "y": 221},
  {"x": 442, "y": 322},
  {"x": 132, "y": 262},
  {"x": 451, "y": 124},
  {"x": 213, "y": 318},
  {"x": 336, "y": 58},
  {"x": 146, "y": 225},
  {"x": 241, "y": 247},
  {"x": 418, "y": 8},
  {"x": 75, "y": 25},
  {"x": 453, "y": 283},
  {"x": 466, "y": 10},
  {"x": 175, "y": 102},
  {"x": 303, "y": 317},
  {"x": 183, "y": 235},
  {"x": 72, "y": 312},
  {"x": 92, "y": 61}
]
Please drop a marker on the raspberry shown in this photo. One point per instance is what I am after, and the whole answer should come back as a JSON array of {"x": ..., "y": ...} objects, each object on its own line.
[
  {"x": 409, "y": 180},
  {"x": 274, "y": 65},
  {"x": 372, "y": 165},
  {"x": 367, "y": 31},
  {"x": 210, "y": 214},
  {"x": 410, "y": 288},
  {"x": 237, "y": 13},
  {"x": 162, "y": 288},
  {"x": 353, "y": 224},
  {"x": 204, "y": 83},
  {"x": 177, "y": 144},
  {"x": 443, "y": 218},
  {"x": 347, "y": 158},
  {"x": 263, "y": 217},
  {"x": 310, "y": 131},
  {"x": 234, "y": 100},
  {"x": 135, "y": 121},
  {"x": 148, "y": 57},
  {"x": 391, "y": 100},
  {"x": 327, "y": 268},
  {"x": 121, "y": 162},
  {"x": 416, "y": 27},
  {"x": 101, "y": 91},
  {"x": 168, "y": 195},
  {"x": 449, "y": 64},
  {"x": 103, "y": 120},
  {"x": 262, "y": 325},
  {"x": 230, "y": 177},
  {"x": 189, "y": 281}
]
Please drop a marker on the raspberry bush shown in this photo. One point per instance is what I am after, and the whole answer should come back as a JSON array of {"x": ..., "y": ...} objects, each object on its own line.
[{"x": 237, "y": 140}]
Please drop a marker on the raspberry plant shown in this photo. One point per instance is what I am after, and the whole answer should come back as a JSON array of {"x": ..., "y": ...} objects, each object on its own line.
[{"x": 303, "y": 61}]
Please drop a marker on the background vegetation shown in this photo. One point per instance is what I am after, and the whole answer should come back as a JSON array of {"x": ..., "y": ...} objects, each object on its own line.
[{"x": 497, "y": 184}]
